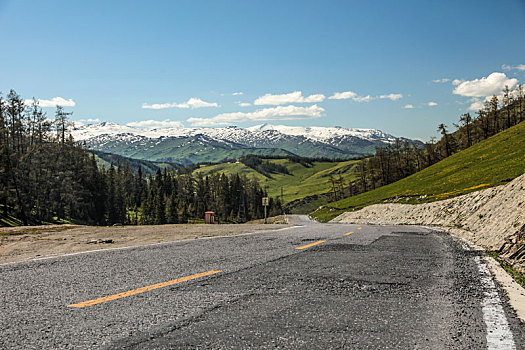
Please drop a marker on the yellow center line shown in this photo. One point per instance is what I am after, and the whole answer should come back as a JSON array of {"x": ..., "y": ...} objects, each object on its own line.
[
  {"x": 359, "y": 228},
  {"x": 349, "y": 233},
  {"x": 142, "y": 289},
  {"x": 310, "y": 245}
]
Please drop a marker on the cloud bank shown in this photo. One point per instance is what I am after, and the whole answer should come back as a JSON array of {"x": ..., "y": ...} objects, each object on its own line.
[
  {"x": 191, "y": 103},
  {"x": 292, "y": 97},
  {"x": 274, "y": 113},
  {"x": 362, "y": 98},
  {"x": 491, "y": 85},
  {"x": 476, "y": 105},
  {"x": 392, "y": 97},
  {"x": 343, "y": 95},
  {"x": 355, "y": 97},
  {"x": 55, "y": 101}
]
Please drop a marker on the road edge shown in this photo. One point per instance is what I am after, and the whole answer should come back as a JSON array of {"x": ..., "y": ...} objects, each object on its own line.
[{"x": 514, "y": 291}]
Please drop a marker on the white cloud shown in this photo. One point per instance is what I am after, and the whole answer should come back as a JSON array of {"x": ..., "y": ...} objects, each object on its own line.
[
  {"x": 274, "y": 113},
  {"x": 55, "y": 101},
  {"x": 191, "y": 103},
  {"x": 392, "y": 97},
  {"x": 342, "y": 95},
  {"x": 408, "y": 106},
  {"x": 456, "y": 82},
  {"x": 444, "y": 80},
  {"x": 198, "y": 103},
  {"x": 162, "y": 106},
  {"x": 89, "y": 120},
  {"x": 166, "y": 123},
  {"x": 431, "y": 104},
  {"x": 517, "y": 67},
  {"x": 292, "y": 97},
  {"x": 476, "y": 104},
  {"x": 363, "y": 98},
  {"x": 244, "y": 104},
  {"x": 350, "y": 95},
  {"x": 355, "y": 97},
  {"x": 491, "y": 85},
  {"x": 238, "y": 93}
]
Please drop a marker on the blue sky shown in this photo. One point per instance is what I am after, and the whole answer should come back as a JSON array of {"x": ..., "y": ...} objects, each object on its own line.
[{"x": 173, "y": 62}]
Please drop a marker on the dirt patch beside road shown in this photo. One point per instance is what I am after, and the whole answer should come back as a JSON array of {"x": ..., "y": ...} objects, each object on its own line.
[{"x": 19, "y": 243}]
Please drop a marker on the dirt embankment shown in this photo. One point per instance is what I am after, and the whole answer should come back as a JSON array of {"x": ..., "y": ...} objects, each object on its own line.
[
  {"x": 19, "y": 243},
  {"x": 493, "y": 218}
]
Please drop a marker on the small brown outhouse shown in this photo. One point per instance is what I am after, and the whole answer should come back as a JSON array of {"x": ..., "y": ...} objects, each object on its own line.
[{"x": 209, "y": 217}]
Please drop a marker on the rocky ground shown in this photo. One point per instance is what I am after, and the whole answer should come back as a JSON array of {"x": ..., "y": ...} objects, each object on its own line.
[
  {"x": 19, "y": 243},
  {"x": 493, "y": 218}
]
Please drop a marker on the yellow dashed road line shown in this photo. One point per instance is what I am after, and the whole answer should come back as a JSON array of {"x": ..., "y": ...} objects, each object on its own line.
[
  {"x": 349, "y": 233},
  {"x": 142, "y": 289},
  {"x": 310, "y": 245}
]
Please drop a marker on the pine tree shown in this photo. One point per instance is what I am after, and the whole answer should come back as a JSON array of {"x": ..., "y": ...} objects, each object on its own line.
[
  {"x": 172, "y": 216},
  {"x": 160, "y": 207}
]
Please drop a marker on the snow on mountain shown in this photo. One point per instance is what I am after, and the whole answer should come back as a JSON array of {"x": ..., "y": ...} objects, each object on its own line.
[
  {"x": 264, "y": 132},
  {"x": 324, "y": 133},
  {"x": 84, "y": 132},
  {"x": 188, "y": 145}
]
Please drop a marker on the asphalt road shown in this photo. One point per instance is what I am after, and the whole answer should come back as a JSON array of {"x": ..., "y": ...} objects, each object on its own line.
[{"x": 380, "y": 287}]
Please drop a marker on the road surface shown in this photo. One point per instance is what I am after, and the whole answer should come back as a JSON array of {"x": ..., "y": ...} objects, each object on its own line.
[{"x": 347, "y": 286}]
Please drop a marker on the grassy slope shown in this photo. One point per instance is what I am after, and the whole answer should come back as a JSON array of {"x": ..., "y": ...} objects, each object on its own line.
[
  {"x": 491, "y": 162},
  {"x": 186, "y": 150},
  {"x": 105, "y": 159},
  {"x": 301, "y": 182}
]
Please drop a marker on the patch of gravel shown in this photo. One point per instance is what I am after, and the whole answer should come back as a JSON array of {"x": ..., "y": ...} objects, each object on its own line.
[{"x": 19, "y": 243}]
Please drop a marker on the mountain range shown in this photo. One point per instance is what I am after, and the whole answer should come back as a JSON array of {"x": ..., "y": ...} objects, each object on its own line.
[{"x": 196, "y": 145}]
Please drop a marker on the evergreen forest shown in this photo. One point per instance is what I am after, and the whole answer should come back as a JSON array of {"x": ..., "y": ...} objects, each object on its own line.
[{"x": 46, "y": 177}]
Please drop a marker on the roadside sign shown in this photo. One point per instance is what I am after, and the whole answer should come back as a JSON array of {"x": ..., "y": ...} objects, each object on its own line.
[{"x": 265, "y": 203}]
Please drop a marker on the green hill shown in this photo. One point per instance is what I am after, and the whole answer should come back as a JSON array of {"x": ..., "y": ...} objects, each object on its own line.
[
  {"x": 301, "y": 181},
  {"x": 182, "y": 150},
  {"x": 492, "y": 162},
  {"x": 105, "y": 160}
]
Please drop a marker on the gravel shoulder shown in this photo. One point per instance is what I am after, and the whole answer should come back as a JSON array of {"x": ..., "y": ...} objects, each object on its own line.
[{"x": 21, "y": 243}]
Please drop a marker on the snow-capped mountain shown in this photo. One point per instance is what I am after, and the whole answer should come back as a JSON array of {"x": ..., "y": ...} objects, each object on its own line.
[
  {"x": 324, "y": 133},
  {"x": 317, "y": 133},
  {"x": 193, "y": 145}
]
